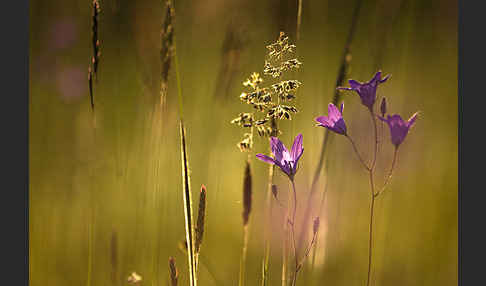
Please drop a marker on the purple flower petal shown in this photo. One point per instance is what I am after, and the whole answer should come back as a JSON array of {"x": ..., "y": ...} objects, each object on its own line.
[
  {"x": 376, "y": 78},
  {"x": 412, "y": 119},
  {"x": 323, "y": 121},
  {"x": 265, "y": 158},
  {"x": 285, "y": 160},
  {"x": 355, "y": 85},
  {"x": 340, "y": 126},
  {"x": 333, "y": 112},
  {"x": 367, "y": 90},
  {"x": 334, "y": 121},
  {"x": 385, "y": 79},
  {"x": 398, "y": 127},
  {"x": 277, "y": 148},
  {"x": 344, "y": 88},
  {"x": 297, "y": 147}
]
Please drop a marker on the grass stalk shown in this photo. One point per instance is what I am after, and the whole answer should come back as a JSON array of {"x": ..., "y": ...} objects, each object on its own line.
[{"x": 186, "y": 190}]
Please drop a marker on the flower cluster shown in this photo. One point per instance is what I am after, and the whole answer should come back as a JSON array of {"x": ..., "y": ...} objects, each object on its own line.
[
  {"x": 399, "y": 128},
  {"x": 268, "y": 100},
  {"x": 288, "y": 161}
]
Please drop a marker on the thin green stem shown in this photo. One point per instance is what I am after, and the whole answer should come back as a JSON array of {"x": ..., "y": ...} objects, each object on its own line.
[
  {"x": 370, "y": 241},
  {"x": 390, "y": 173},
  {"x": 285, "y": 249},
  {"x": 373, "y": 196},
  {"x": 292, "y": 224},
  {"x": 357, "y": 153}
]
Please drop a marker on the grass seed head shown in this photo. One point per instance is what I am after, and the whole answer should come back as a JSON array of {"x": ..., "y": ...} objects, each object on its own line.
[{"x": 200, "y": 218}]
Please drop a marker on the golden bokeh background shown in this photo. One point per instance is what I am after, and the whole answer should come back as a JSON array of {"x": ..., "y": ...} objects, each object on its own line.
[{"x": 105, "y": 186}]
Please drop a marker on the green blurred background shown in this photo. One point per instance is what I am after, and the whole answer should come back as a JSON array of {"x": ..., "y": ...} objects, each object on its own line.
[{"x": 105, "y": 187}]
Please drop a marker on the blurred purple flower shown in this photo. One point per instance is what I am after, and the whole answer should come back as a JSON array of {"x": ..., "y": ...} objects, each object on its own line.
[
  {"x": 71, "y": 83},
  {"x": 367, "y": 90},
  {"x": 334, "y": 121},
  {"x": 398, "y": 127},
  {"x": 285, "y": 160},
  {"x": 62, "y": 34}
]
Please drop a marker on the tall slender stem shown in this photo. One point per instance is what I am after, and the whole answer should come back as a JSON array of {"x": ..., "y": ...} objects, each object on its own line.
[
  {"x": 373, "y": 196},
  {"x": 370, "y": 242},
  {"x": 390, "y": 173},
  {"x": 292, "y": 223}
]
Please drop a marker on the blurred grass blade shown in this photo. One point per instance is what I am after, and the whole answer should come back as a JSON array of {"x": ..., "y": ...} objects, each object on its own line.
[
  {"x": 166, "y": 50},
  {"x": 342, "y": 73},
  {"x": 186, "y": 190},
  {"x": 247, "y": 193}
]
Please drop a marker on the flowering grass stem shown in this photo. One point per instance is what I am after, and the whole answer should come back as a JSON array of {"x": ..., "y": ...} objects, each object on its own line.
[
  {"x": 292, "y": 231},
  {"x": 189, "y": 224},
  {"x": 176, "y": 64}
]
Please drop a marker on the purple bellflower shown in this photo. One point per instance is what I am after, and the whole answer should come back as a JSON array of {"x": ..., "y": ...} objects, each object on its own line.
[
  {"x": 398, "y": 127},
  {"x": 334, "y": 121},
  {"x": 367, "y": 90},
  {"x": 285, "y": 160}
]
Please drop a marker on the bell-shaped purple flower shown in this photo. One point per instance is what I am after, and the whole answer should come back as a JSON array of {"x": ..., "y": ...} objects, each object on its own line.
[
  {"x": 286, "y": 160},
  {"x": 398, "y": 127},
  {"x": 334, "y": 121},
  {"x": 367, "y": 90}
]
